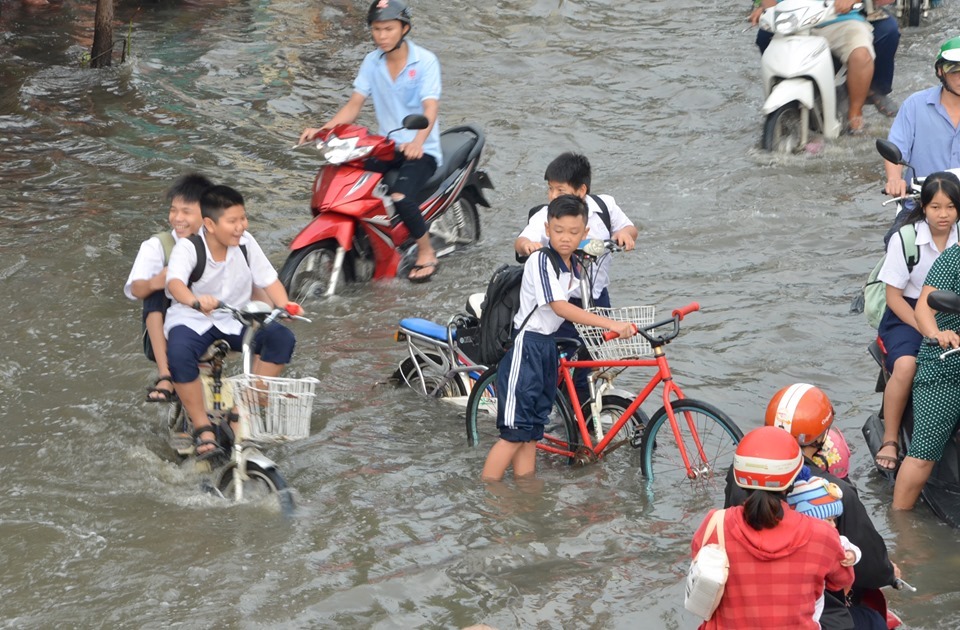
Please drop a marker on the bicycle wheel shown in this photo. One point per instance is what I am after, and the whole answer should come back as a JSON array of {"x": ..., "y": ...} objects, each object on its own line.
[
  {"x": 261, "y": 483},
  {"x": 430, "y": 377},
  {"x": 613, "y": 408},
  {"x": 719, "y": 436},
  {"x": 481, "y": 418},
  {"x": 481, "y": 413}
]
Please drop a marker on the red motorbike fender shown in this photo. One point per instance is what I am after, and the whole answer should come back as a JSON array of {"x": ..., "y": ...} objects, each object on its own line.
[{"x": 325, "y": 226}]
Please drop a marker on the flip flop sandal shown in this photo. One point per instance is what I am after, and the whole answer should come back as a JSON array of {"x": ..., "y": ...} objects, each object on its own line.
[
  {"x": 895, "y": 460},
  {"x": 163, "y": 395},
  {"x": 421, "y": 279},
  {"x": 197, "y": 443}
]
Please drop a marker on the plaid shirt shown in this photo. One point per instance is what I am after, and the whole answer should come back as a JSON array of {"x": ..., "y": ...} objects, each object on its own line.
[{"x": 776, "y": 575}]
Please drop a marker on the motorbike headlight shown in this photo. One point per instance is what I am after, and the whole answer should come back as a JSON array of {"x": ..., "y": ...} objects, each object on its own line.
[{"x": 339, "y": 150}]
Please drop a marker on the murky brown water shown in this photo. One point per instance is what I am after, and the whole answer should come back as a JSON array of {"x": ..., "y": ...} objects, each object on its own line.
[{"x": 98, "y": 527}]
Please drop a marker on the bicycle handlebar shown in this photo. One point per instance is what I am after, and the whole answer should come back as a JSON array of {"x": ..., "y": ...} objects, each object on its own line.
[
  {"x": 291, "y": 311},
  {"x": 686, "y": 310}
]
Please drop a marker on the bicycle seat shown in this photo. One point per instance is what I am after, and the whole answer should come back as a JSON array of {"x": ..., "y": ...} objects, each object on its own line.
[
  {"x": 217, "y": 348},
  {"x": 426, "y": 328},
  {"x": 475, "y": 304}
]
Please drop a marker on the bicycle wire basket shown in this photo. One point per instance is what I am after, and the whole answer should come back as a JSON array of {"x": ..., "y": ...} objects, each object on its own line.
[
  {"x": 275, "y": 409},
  {"x": 617, "y": 349}
]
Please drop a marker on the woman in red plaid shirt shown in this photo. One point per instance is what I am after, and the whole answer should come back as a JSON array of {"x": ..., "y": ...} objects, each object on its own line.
[{"x": 780, "y": 560}]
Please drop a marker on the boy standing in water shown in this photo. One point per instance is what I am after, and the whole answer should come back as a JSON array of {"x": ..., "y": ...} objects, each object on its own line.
[
  {"x": 402, "y": 79},
  {"x": 570, "y": 174},
  {"x": 527, "y": 374},
  {"x": 149, "y": 273},
  {"x": 234, "y": 265}
]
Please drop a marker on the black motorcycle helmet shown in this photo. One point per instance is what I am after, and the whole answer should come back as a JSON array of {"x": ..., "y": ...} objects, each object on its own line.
[{"x": 384, "y": 10}]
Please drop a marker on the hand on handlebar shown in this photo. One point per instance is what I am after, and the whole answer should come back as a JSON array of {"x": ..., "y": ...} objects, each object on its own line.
[
  {"x": 895, "y": 188},
  {"x": 620, "y": 329},
  {"x": 293, "y": 309},
  {"x": 947, "y": 339},
  {"x": 624, "y": 240},
  {"x": 208, "y": 304}
]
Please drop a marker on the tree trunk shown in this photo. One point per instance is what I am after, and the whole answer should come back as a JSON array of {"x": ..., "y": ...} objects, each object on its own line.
[{"x": 102, "y": 53}]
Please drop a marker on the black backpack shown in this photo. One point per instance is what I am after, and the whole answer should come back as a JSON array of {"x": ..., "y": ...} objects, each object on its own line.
[{"x": 500, "y": 305}]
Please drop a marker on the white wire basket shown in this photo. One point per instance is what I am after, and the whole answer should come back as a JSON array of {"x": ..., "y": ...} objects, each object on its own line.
[
  {"x": 274, "y": 409},
  {"x": 618, "y": 348}
]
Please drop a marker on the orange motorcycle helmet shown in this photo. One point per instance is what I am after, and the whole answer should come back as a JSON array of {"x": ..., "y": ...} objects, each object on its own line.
[{"x": 803, "y": 410}]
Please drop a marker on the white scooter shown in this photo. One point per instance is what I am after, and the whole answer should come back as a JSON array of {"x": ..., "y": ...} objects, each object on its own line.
[{"x": 799, "y": 82}]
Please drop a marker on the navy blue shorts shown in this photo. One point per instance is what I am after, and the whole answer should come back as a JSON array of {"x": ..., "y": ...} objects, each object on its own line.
[
  {"x": 156, "y": 302},
  {"x": 274, "y": 344},
  {"x": 526, "y": 387},
  {"x": 899, "y": 339}
]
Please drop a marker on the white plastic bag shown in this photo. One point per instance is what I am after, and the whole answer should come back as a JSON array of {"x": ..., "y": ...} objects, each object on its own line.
[{"x": 708, "y": 572}]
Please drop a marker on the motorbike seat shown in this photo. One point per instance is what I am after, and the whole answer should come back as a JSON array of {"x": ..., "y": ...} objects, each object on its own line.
[
  {"x": 456, "y": 145},
  {"x": 426, "y": 328}
]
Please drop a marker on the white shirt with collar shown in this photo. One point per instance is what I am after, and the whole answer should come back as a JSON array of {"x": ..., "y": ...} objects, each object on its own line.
[
  {"x": 894, "y": 270},
  {"x": 231, "y": 281},
  {"x": 148, "y": 263},
  {"x": 536, "y": 232},
  {"x": 540, "y": 286}
]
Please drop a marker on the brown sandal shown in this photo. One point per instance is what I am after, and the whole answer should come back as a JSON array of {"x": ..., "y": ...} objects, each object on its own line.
[{"x": 880, "y": 460}]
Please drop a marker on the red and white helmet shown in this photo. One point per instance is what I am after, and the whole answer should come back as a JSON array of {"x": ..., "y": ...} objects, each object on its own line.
[
  {"x": 803, "y": 410},
  {"x": 767, "y": 458}
]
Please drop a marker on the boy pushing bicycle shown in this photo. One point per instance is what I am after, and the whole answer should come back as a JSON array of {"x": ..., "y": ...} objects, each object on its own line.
[{"x": 527, "y": 374}]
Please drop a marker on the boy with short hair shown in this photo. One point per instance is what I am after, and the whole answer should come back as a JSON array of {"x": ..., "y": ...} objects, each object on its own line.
[
  {"x": 229, "y": 276},
  {"x": 149, "y": 272},
  {"x": 570, "y": 173},
  {"x": 527, "y": 374}
]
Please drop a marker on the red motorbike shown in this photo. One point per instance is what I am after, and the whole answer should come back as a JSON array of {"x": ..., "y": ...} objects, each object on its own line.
[{"x": 355, "y": 234}]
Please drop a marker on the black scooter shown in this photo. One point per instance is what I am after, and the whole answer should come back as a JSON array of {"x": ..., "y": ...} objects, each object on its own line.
[{"x": 942, "y": 492}]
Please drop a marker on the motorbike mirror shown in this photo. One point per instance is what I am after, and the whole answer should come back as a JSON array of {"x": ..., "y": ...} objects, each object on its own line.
[
  {"x": 415, "y": 121},
  {"x": 890, "y": 152},
  {"x": 944, "y": 301}
]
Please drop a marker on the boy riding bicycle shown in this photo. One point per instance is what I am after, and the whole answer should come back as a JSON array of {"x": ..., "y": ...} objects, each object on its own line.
[
  {"x": 234, "y": 264},
  {"x": 527, "y": 374}
]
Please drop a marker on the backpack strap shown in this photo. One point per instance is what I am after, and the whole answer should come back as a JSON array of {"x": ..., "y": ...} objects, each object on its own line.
[
  {"x": 166, "y": 240},
  {"x": 201, "y": 265},
  {"x": 555, "y": 261},
  {"x": 604, "y": 213},
  {"x": 197, "y": 272},
  {"x": 716, "y": 522},
  {"x": 908, "y": 243}
]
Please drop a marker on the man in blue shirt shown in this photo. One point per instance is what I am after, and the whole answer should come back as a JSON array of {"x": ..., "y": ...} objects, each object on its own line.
[
  {"x": 927, "y": 128},
  {"x": 402, "y": 79}
]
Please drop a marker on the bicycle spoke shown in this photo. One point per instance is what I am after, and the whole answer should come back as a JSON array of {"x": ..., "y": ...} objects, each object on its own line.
[{"x": 663, "y": 463}]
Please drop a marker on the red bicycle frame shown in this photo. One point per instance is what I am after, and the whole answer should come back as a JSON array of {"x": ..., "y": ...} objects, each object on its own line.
[{"x": 671, "y": 392}]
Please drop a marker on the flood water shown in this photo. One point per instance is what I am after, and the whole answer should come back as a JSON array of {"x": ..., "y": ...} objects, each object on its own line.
[{"x": 100, "y": 527}]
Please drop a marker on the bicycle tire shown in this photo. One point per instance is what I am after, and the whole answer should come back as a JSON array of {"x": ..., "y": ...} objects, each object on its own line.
[
  {"x": 482, "y": 402},
  {"x": 661, "y": 461},
  {"x": 260, "y": 484},
  {"x": 481, "y": 417},
  {"x": 407, "y": 374}
]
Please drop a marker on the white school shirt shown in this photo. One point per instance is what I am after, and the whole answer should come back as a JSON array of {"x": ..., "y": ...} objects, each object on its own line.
[
  {"x": 148, "y": 263},
  {"x": 894, "y": 271},
  {"x": 536, "y": 232},
  {"x": 540, "y": 286},
  {"x": 231, "y": 281}
]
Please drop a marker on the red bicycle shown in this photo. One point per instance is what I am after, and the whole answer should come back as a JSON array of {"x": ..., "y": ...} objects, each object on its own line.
[{"x": 684, "y": 441}]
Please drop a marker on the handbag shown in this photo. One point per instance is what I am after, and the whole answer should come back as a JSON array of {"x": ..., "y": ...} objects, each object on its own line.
[{"x": 708, "y": 572}]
